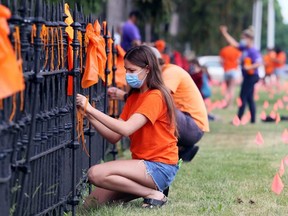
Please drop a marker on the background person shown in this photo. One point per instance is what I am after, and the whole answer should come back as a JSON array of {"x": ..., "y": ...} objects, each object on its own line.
[
  {"x": 154, "y": 160},
  {"x": 250, "y": 62},
  {"x": 201, "y": 77},
  {"x": 268, "y": 60},
  {"x": 279, "y": 62},
  {"x": 230, "y": 57},
  {"x": 130, "y": 32}
]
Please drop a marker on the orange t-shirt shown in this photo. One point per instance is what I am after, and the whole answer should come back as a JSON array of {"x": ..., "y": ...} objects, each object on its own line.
[
  {"x": 230, "y": 56},
  {"x": 280, "y": 57},
  {"x": 187, "y": 96},
  {"x": 156, "y": 140},
  {"x": 268, "y": 62}
]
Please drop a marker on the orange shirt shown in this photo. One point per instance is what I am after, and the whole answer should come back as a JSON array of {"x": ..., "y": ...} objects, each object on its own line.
[
  {"x": 268, "y": 62},
  {"x": 155, "y": 141},
  {"x": 230, "y": 56},
  {"x": 280, "y": 57},
  {"x": 187, "y": 96}
]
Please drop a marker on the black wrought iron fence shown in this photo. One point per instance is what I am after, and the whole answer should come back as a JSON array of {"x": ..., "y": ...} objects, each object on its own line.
[{"x": 43, "y": 162}]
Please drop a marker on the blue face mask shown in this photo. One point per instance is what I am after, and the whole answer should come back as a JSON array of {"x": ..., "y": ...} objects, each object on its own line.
[
  {"x": 243, "y": 43},
  {"x": 133, "y": 79}
]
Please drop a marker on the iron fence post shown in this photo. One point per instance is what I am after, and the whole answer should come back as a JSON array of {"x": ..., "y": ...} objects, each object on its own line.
[
  {"x": 74, "y": 200},
  {"x": 107, "y": 72},
  {"x": 114, "y": 151},
  {"x": 36, "y": 80}
]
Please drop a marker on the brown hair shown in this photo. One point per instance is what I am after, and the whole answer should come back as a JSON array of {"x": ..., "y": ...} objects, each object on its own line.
[
  {"x": 249, "y": 32},
  {"x": 143, "y": 56}
]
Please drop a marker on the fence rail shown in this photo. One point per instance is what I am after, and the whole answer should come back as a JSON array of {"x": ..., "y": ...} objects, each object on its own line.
[{"x": 43, "y": 163}]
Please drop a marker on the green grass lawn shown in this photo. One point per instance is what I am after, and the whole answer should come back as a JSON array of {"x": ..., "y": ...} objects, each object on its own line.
[{"x": 230, "y": 175}]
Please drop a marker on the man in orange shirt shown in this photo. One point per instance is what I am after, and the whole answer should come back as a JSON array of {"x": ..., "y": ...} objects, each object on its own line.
[
  {"x": 279, "y": 62},
  {"x": 230, "y": 60},
  {"x": 191, "y": 113}
]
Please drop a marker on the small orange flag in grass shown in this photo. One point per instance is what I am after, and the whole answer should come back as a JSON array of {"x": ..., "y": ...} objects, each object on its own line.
[
  {"x": 236, "y": 121},
  {"x": 265, "y": 104},
  {"x": 263, "y": 115},
  {"x": 273, "y": 114},
  {"x": 285, "y": 98},
  {"x": 285, "y": 136},
  {"x": 259, "y": 139},
  {"x": 275, "y": 106},
  {"x": 278, "y": 119},
  {"x": 281, "y": 168},
  {"x": 223, "y": 103},
  {"x": 277, "y": 184},
  {"x": 285, "y": 159},
  {"x": 280, "y": 104},
  {"x": 239, "y": 102}
]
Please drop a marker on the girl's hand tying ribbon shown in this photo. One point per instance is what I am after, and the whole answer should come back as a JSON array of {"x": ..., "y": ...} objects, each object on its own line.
[{"x": 82, "y": 102}]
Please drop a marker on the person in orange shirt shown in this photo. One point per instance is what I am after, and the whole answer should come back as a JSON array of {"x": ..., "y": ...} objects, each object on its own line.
[
  {"x": 161, "y": 45},
  {"x": 191, "y": 113},
  {"x": 149, "y": 110},
  {"x": 230, "y": 59},
  {"x": 269, "y": 63},
  {"x": 279, "y": 62}
]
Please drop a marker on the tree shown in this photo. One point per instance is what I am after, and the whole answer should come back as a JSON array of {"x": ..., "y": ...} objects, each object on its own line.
[
  {"x": 89, "y": 6},
  {"x": 157, "y": 14},
  {"x": 200, "y": 21},
  {"x": 281, "y": 29}
]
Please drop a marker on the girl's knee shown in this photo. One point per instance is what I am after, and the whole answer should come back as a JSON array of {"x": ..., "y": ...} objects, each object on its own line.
[{"x": 94, "y": 176}]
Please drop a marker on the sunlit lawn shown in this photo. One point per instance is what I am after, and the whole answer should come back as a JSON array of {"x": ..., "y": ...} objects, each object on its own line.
[{"x": 230, "y": 175}]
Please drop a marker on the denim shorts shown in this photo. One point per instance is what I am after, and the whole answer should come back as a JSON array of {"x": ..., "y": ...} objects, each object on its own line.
[
  {"x": 162, "y": 174},
  {"x": 230, "y": 75}
]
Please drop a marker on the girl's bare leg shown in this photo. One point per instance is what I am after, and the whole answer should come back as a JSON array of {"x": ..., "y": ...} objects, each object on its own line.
[{"x": 120, "y": 178}]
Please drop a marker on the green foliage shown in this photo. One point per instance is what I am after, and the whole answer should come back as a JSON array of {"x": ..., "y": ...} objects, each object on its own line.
[
  {"x": 281, "y": 29},
  {"x": 157, "y": 13},
  {"x": 89, "y": 6},
  {"x": 200, "y": 22}
]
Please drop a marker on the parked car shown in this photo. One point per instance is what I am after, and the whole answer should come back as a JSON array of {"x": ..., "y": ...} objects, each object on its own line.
[{"x": 215, "y": 69}]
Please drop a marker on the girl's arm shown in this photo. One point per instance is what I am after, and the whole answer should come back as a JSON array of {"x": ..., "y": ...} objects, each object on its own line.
[
  {"x": 228, "y": 37},
  {"x": 123, "y": 128},
  {"x": 108, "y": 134}
]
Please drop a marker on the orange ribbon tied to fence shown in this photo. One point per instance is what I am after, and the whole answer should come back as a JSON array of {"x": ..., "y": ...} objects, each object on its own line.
[
  {"x": 120, "y": 77},
  {"x": 101, "y": 54},
  {"x": 91, "y": 71},
  {"x": 69, "y": 30},
  {"x": 11, "y": 76},
  {"x": 109, "y": 58}
]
